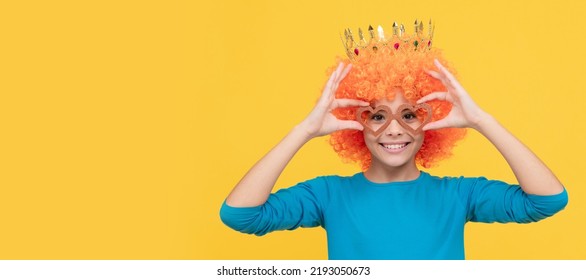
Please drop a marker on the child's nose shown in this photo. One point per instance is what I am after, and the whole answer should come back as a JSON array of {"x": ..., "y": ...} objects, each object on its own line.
[{"x": 394, "y": 128}]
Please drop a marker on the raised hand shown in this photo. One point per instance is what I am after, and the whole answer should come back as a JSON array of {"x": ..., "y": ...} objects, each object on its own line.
[
  {"x": 254, "y": 188},
  {"x": 464, "y": 113},
  {"x": 321, "y": 121}
]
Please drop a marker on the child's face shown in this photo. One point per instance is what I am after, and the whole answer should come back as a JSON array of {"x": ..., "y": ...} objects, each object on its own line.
[{"x": 395, "y": 146}]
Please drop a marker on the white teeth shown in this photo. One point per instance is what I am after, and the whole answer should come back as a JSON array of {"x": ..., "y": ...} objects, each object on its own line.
[{"x": 395, "y": 146}]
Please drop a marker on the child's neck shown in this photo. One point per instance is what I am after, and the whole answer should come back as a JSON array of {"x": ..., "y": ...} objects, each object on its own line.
[{"x": 386, "y": 174}]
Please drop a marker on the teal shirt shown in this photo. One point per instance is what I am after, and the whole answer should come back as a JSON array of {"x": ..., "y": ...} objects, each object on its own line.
[{"x": 419, "y": 219}]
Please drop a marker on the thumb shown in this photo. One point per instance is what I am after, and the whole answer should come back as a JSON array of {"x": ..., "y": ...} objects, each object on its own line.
[
  {"x": 354, "y": 125},
  {"x": 443, "y": 123}
]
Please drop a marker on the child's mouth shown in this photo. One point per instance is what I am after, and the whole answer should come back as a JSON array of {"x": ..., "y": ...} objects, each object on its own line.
[{"x": 394, "y": 148}]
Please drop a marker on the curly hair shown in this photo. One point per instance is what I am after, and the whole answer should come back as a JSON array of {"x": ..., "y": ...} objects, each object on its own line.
[{"x": 375, "y": 75}]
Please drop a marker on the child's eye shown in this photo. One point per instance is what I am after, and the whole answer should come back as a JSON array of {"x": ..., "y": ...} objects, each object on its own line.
[
  {"x": 409, "y": 116},
  {"x": 377, "y": 117}
]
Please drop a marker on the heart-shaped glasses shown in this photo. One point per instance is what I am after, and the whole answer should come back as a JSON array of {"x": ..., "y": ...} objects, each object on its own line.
[{"x": 410, "y": 117}]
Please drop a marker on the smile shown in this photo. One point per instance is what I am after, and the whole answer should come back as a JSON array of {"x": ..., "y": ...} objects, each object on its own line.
[{"x": 394, "y": 148}]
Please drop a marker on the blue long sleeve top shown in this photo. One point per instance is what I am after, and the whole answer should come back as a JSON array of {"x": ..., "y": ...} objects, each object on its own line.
[{"x": 419, "y": 219}]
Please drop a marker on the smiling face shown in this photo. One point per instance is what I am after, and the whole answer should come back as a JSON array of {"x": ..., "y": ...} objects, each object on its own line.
[{"x": 394, "y": 147}]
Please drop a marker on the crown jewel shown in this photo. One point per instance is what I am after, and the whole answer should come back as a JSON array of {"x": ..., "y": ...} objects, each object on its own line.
[{"x": 418, "y": 41}]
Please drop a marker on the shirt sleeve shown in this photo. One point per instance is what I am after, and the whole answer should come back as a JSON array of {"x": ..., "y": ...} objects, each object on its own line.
[
  {"x": 491, "y": 201},
  {"x": 287, "y": 209}
]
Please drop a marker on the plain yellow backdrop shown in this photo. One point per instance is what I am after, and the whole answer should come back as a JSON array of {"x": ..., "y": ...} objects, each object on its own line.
[{"x": 124, "y": 124}]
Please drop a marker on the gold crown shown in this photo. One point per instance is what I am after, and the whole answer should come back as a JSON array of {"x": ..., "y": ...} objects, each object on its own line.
[{"x": 399, "y": 40}]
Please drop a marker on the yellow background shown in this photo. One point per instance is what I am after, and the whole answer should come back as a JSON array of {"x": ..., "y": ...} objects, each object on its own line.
[{"x": 124, "y": 124}]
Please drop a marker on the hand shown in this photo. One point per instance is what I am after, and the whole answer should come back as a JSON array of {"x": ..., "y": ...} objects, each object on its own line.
[
  {"x": 321, "y": 121},
  {"x": 464, "y": 113}
]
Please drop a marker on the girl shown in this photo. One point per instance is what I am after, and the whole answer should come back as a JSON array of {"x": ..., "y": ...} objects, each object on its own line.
[{"x": 391, "y": 113}]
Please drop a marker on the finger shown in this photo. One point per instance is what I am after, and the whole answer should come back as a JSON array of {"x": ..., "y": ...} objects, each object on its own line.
[
  {"x": 442, "y": 69},
  {"x": 350, "y": 125},
  {"x": 330, "y": 80},
  {"x": 327, "y": 91},
  {"x": 449, "y": 76},
  {"x": 336, "y": 81},
  {"x": 438, "y": 95},
  {"x": 338, "y": 72},
  {"x": 343, "y": 102},
  {"x": 346, "y": 71},
  {"x": 340, "y": 67},
  {"x": 435, "y": 74},
  {"x": 443, "y": 123},
  {"x": 438, "y": 64},
  {"x": 342, "y": 76},
  {"x": 441, "y": 77}
]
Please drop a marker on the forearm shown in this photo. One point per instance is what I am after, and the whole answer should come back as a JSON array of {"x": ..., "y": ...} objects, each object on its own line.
[
  {"x": 533, "y": 175},
  {"x": 255, "y": 187}
]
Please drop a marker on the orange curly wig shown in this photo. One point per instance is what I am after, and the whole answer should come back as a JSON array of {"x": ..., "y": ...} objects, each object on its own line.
[{"x": 376, "y": 75}]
